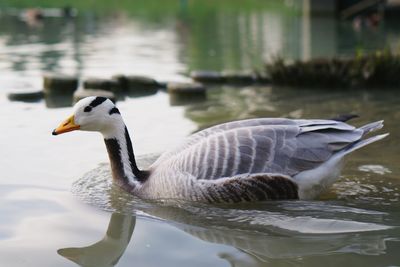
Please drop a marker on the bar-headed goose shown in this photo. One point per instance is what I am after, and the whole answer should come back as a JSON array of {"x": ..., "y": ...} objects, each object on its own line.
[{"x": 247, "y": 160}]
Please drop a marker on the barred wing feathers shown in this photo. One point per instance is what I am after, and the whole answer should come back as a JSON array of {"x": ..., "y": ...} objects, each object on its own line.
[{"x": 261, "y": 146}]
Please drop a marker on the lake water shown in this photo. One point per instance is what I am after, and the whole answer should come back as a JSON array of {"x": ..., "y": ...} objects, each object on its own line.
[{"x": 58, "y": 206}]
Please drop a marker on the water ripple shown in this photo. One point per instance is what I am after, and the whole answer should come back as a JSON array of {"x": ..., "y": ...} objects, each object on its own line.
[{"x": 302, "y": 217}]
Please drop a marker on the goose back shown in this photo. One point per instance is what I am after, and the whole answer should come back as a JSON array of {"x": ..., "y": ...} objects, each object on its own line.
[{"x": 260, "y": 146}]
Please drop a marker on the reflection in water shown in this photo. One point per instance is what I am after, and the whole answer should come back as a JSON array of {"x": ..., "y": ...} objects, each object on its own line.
[
  {"x": 267, "y": 242},
  {"x": 195, "y": 36},
  {"x": 58, "y": 101},
  {"x": 253, "y": 248},
  {"x": 108, "y": 250}
]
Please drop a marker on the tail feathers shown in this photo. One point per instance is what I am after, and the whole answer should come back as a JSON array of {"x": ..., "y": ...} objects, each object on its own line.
[
  {"x": 364, "y": 142},
  {"x": 371, "y": 127}
]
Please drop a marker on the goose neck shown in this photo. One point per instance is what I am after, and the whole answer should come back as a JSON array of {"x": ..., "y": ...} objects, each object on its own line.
[{"x": 122, "y": 160}]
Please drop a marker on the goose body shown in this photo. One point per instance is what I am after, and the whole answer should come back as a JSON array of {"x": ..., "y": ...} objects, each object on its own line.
[{"x": 247, "y": 160}]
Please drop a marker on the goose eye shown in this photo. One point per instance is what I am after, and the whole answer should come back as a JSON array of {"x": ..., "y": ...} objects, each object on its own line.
[
  {"x": 87, "y": 109},
  {"x": 113, "y": 110}
]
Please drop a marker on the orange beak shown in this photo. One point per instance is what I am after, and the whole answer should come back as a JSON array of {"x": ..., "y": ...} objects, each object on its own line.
[{"x": 66, "y": 126}]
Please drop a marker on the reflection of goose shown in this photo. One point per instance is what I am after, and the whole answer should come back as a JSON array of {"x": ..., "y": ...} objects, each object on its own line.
[
  {"x": 246, "y": 160},
  {"x": 254, "y": 248},
  {"x": 107, "y": 251},
  {"x": 261, "y": 237}
]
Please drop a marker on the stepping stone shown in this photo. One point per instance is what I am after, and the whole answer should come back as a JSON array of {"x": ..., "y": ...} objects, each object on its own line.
[
  {"x": 59, "y": 83},
  {"x": 33, "y": 96}
]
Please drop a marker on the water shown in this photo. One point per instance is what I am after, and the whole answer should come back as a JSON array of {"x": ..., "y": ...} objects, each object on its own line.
[{"x": 58, "y": 206}]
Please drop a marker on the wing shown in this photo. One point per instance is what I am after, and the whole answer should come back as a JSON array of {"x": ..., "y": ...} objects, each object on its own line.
[
  {"x": 195, "y": 138},
  {"x": 260, "y": 146}
]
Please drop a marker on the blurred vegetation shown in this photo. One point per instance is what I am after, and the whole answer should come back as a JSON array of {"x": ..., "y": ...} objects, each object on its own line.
[
  {"x": 215, "y": 35},
  {"x": 372, "y": 70},
  {"x": 151, "y": 8}
]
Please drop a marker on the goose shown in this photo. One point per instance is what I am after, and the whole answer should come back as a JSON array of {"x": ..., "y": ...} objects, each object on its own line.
[{"x": 241, "y": 161}]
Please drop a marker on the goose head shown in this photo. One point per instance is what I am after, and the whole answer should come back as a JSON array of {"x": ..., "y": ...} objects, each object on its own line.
[
  {"x": 99, "y": 114},
  {"x": 93, "y": 113}
]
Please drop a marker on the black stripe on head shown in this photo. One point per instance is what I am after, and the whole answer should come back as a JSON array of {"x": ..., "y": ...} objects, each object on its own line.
[
  {"x": 114, "y": 110},
  {"x": 97, "y": 101}
]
